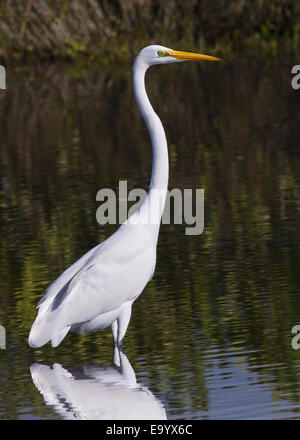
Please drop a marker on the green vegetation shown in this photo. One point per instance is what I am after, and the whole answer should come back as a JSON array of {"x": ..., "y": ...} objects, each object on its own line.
[{"x": 93, "y": 29}]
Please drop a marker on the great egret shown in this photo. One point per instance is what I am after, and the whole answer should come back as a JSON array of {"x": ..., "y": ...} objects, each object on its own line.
[{"x": 98, "y": 290}]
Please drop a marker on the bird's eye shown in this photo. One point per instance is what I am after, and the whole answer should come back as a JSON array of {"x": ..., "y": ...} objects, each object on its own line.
[{"x": 163, "y": 53}]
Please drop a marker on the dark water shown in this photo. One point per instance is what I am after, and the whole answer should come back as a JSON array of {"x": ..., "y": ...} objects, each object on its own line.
[{"x": 210, "y": 337}]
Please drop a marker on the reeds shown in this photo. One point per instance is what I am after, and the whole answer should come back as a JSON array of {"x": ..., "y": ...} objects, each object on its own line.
[{"x": 69, "y": 28}]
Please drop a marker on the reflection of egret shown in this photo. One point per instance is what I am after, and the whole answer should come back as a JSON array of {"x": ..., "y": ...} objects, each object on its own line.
[
  {"x": 97, "y": 392},
  {"x": 98, "y": 290}
]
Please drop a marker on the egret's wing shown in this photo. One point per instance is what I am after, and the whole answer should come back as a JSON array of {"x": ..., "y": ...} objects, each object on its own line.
[
  {"x": 66, "y": 276},
  {"x": 111, "y": 274},
  {"x": 64, "y": 308},
  {"x": 100, "y": 288}
]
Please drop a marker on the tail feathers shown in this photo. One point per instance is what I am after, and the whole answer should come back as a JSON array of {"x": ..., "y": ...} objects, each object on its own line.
[
  {"x": 36, "y": 339},
  {"x": 43, "y": 330},
  {"x": 46, "y": 327},
  {"x": 40, "y": 335},
  {"x": 56, "y": 340}
]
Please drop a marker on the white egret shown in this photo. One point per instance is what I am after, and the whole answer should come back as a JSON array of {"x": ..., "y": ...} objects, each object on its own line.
[{"x": 98, "y": 290}]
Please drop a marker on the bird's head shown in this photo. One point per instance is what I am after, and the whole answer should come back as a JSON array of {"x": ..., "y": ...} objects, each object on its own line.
[{"x": 156, "y": 54}]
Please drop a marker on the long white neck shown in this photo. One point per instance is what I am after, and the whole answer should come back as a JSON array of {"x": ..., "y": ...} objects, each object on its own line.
[{"x": 160, "y": 166}]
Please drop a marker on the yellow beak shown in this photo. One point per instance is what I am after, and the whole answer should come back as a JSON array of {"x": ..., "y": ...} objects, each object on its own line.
[{"x": 189, "y": 56}]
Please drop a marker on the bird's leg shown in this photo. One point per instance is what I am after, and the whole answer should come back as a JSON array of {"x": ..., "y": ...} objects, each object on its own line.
[
  {"x": 116, "y": 357},
  {"x": 114, "y": 329},
  {"x": 123, "y": 321}
]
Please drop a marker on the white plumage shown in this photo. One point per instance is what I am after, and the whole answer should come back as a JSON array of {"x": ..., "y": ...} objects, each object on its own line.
[{"x": 98, "y": 290}]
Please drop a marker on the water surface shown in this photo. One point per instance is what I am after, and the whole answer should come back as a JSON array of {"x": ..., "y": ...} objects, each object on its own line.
[{"x": 210, "y": 337}]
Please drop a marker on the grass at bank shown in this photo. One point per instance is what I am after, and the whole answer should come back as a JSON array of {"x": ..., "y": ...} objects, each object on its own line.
[{"x": 93, "y": 30}]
